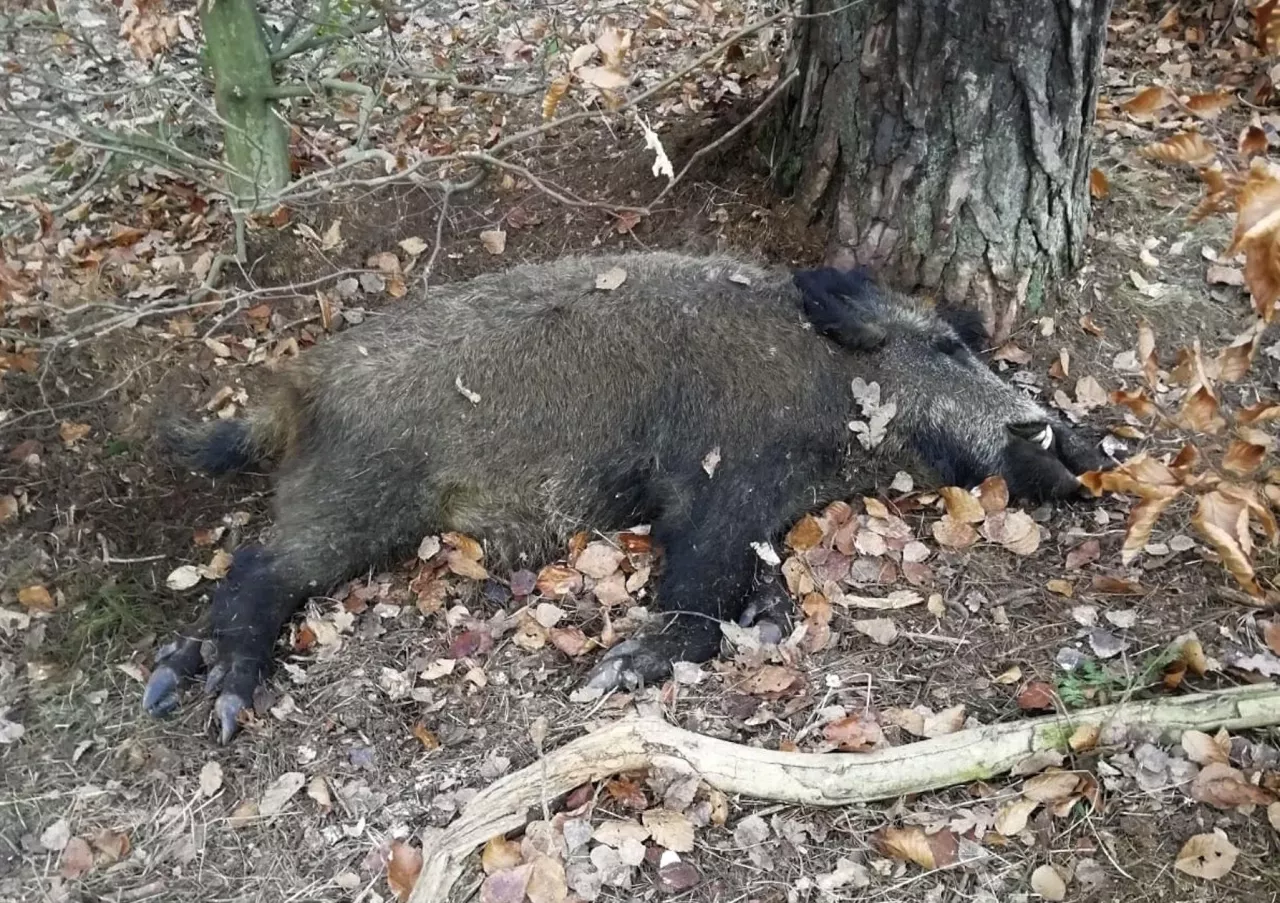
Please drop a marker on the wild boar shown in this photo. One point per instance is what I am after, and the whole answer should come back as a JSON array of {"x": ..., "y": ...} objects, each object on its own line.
[{"x": 522, "y": 406}]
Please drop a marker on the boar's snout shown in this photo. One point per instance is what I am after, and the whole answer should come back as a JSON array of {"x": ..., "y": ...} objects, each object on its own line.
[{"x": 1044, "y": 460}]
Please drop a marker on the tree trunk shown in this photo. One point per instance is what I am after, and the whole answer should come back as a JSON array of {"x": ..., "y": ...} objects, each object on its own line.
[
  {"x": 947, "y": 141},
  {"x": 255, "y": 137}
]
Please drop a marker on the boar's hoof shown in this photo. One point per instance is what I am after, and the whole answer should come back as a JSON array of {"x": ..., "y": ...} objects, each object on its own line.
[
  {"x": 628, "y": 666},
  {"x": 647, "y": 659},
  {"x": 175, "y": 662},
  {"x": 227, "y": 712},
  {"x": 769, "y": 608}
]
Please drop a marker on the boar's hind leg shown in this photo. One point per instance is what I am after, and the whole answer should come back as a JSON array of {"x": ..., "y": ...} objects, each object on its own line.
[
  {"x": 318, "y": 541},
  {"x": 707, "y": 573}
]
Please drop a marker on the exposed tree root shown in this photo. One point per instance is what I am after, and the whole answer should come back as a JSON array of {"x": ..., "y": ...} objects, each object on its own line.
[{"x": 808, "y": 778}]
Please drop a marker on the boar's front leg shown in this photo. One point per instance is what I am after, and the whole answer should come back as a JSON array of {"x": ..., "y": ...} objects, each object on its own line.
[{"x": 707, "y": 573}]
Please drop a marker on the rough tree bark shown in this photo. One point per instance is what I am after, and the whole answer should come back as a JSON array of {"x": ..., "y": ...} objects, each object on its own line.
[
  {"x": 255, "y": 137},
  {"x": 947, "y": 141}
]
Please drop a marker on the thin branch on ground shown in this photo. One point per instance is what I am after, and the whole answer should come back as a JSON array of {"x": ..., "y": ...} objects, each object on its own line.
[
  {"x": 447, "y": 190},
  {"x": 728, "y": 136},
  {"x": 563, "y": 196}
]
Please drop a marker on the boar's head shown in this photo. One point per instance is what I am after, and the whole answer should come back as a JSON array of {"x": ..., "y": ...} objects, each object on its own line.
[{"x": 961, "y": 420}]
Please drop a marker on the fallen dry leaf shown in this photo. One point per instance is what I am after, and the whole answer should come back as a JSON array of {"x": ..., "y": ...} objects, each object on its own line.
[
  {"x": 954, "y": 534},
  {"x": 912, "y": 844},
  {"x": 1046, "y": 881},
  {"x": 277, "y": 796},
  {"x": 76, "y": 859},
  {"x": 1224, "y": 522},
  {"x": 494, "y": 241},
  {"x": 1013, "y": 815},
  {"x": 1148, "y": 101},
  {"x": 853, "y": 733},
  {"x": 961, "y": 505},
  {"x": 404, "y": 862},
  {"x": 880, "y": 630},
  {"x": 1099, "y": 185},
  {"x": 1051, "y": 786},
  {"x": 499, "y": 854},
  {"x": 1190, "y": 148},
  {"x": 1208, "y": 856},
  {"x": 1220, "y": 785},
  {"x": 669, "y": 829},
  {"x": 611, "y": 279}
]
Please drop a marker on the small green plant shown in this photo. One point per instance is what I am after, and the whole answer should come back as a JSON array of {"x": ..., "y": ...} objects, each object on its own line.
[{"x": 1094, "y": 683}]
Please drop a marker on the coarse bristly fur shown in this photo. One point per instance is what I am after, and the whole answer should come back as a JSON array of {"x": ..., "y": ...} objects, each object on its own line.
[{"x": 524, "y": 405}]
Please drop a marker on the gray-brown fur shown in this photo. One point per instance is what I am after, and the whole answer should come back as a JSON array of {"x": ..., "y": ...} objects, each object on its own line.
[{"x": 596, "y": 410}]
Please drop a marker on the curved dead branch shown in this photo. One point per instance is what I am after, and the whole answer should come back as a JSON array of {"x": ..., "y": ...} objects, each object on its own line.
[{"x": 812, "y": 779}]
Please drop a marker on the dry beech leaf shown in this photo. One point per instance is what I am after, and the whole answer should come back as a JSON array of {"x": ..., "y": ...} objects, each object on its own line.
[
  {"x": 881, "y": 630},
  {"x": 912, "y": 844},
  {"x": 1203, "y": 749},
  {"x": 603, "y": 78},
  {"x": 772, "y": 681},
  {"x": 1099, "y": 186},
  {"x": 1199, "y": 412},
  {"x": 1013, "y": 815},
  {"x": 1208, "y": 106},
  {"x": 1262, "y": 412},
  {"x": 1243, "y": 458},
  {"x": 1148, "y": 101},
  {"x": 1137, "y": 401},
  {"x": 806, "y": 534},
  {"x": 1252, "y": 142},
  {"x": 1271, "y": 635},
  {"x": 1208, "y": 856},
  {"x": 498, "y": 854},
  {"x": 993, "y": 494},
  {"x": 853, "y": 733},
  {"x": 282, "y": 789},
  {"x": 1141, "y": 520},
  {"x": 1147, "y": 360},
  {"x": 1051, "y": 787},
  {"x": 1185, "y": 147},
  {"x": 961, "y": 505},
  {"x": 404, "y": 862},
  {"x": 1224, "y": 522},
  {"x": 1220, "y": 785},
  {"x": 1015, "y": 530},
  {"x": 954, "y": 534}
]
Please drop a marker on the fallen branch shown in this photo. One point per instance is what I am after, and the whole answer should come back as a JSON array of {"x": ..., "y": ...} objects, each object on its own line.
[{"x": 811, "y": 779}]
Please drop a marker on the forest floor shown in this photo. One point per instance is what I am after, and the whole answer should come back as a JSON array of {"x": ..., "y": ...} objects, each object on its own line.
[{"x": 408, "y": 690}]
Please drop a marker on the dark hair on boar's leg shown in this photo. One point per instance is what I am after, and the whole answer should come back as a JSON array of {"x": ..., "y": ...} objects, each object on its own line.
[{"x": 522, "y": 406}]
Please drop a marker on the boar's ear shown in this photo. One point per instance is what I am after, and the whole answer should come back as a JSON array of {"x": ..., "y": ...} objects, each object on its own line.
[
  {"x": 842, "y": 305},
  {"x": 968, "y": 325}
]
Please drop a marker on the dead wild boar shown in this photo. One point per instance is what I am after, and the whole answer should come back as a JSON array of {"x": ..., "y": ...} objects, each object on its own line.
[{"x": 522, "y": 406}]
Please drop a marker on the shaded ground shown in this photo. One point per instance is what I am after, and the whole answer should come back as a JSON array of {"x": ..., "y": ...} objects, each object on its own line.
[{"x": 106, "y": 522}]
